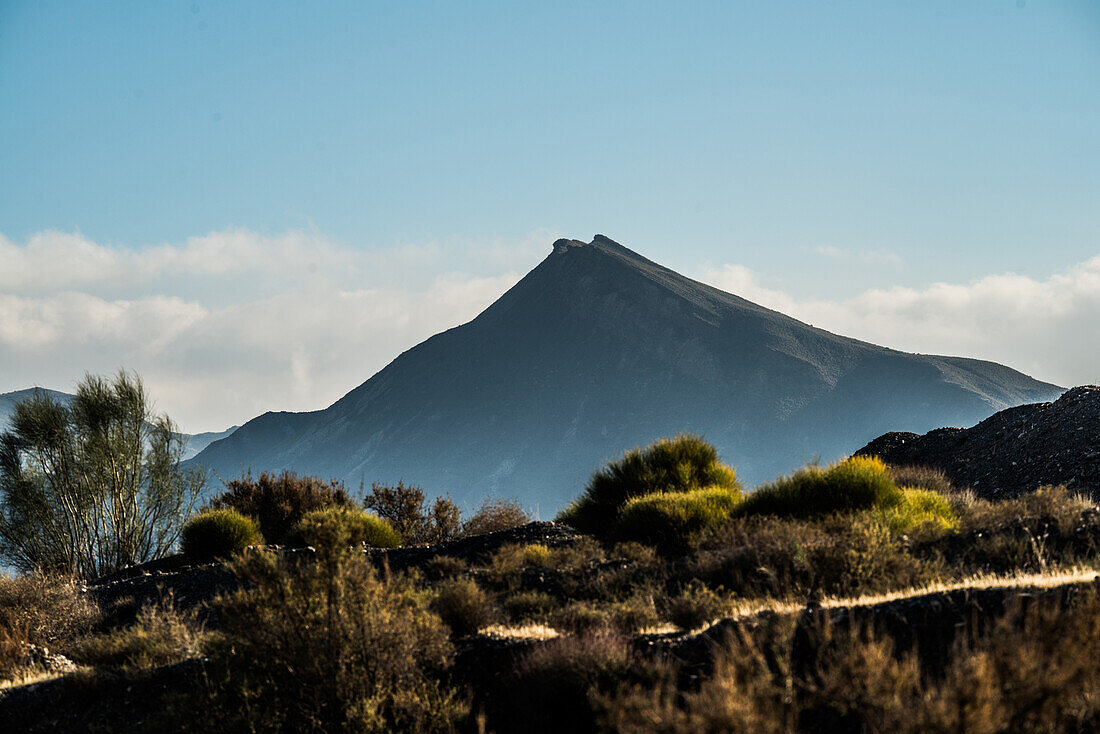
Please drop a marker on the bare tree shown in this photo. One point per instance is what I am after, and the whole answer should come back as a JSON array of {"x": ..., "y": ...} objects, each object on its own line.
[{"x": 88, "y": 488}]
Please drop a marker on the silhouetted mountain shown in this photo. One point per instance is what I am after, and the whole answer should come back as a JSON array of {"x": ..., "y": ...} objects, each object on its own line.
[
  {"x": 192, "y": 444},
  {"x": 598, "y": 350}
]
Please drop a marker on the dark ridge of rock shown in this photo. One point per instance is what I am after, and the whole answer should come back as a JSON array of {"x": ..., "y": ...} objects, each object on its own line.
[
  {"x": 1013, "y": 451},
  {"x": 598, "y": 350}
]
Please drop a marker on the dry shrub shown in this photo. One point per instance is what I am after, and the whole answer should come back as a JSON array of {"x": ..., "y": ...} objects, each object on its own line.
[
  {"x": 922, "y": 477},
  {"x": 749, "y": 691},
  {"x": 406, "y": 509},
  {"x": 694, "y": 606},
  {"x": 162, "y": 634},
  {"x": 464, "y": 607},
  {"x": 1056, "y": 507},
  {"x": 634, "y": 552},
  {"x": 52, "y": 611},
  {"x": 1035, "y": 669},
  {"x": 537, "y": 555},
  {"x": 14, "y": 657},
  {"x": 441, "y": 567},
  {"x": 495, "y": 514},
  {"x": 525, "y": 606},
  {"x": 278, "y": 502},
  {"x": 552, "y": 687},
  {"x": 840, "y": 556},
  {"x": 312, "y": 647}
]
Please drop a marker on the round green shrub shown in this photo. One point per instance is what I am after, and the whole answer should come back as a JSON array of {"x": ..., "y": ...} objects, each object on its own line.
[
  {"x": 851, "y": 485},
  {"x": 218, "y": 534},
  {"x": 679, "y": 464},
  {"x": 672, "y": 522},
  {"x": 343, "y": 527}
]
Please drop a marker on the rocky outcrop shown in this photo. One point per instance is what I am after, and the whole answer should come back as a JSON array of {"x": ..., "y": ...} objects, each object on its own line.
[{"x": 1013, "y": 451}]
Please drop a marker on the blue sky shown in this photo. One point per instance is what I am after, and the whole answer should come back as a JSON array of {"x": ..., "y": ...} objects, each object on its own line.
[{"x": 814, "y": 151}]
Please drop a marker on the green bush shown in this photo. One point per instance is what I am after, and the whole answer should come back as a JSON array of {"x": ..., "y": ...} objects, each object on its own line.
[
  {"x": 919, "y": 509},
  {"x": 218, "y": 533},
  {"x": 678, "y": 464},
  {"x": 279, "y": 501},
  {"x": 857, "y": 483},
  {"x": 672, "y": 522},
  {"x": 464, "y": 607},
  {"x": 337, "y": 528}
]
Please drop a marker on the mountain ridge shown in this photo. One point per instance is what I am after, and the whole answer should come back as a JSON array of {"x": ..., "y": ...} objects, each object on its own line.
[{"x": 599, "y": 349}]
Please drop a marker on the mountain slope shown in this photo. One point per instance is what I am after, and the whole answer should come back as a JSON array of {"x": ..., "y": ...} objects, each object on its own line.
[{"x": 595, "y": 351}]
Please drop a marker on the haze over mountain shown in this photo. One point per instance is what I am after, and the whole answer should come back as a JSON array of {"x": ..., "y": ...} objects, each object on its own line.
[
  {"x": 193, "y": 443},
  {"x": 598, "y": 350}
]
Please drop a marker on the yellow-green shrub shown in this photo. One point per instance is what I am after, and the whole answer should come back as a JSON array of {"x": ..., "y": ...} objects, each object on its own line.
[
  {"x": 857, "y": 483},
  {"x": 919, "y": 508},
  {"x": 218, "y": 533},
  {"x": 678, "y": 464},
  {"x": 342, "y": 527},
  {"x": 673, "y": 521}
]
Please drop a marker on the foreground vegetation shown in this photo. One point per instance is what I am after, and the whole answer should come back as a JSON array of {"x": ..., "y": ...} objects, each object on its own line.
[{"x": 542, "y": 629}]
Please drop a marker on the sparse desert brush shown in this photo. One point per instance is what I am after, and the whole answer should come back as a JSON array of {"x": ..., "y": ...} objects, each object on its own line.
[
  {"x": 14, "y": 654},
  {"x": 1034, "y": 669},
  {"x": 841, "y": 555},
  {"x": 279, "y": 501},
  {"x": 464, "y": 606},
  {"x": 51, "y": 610},
  {"x": 1052, "y": 505},
  {"x": 554, "y": 686},
  {"x": 405, "y": 508},
  {"x": 524, "y": 606},
  {"x": 315, "y": 647},
  {"x": 218, "y": 534},
  {"x": 678, "y": 464},
  {"x": 922, "y": 477},
  {"x": 634, "y": 552},
  {"x": 856, "y": 483},
  {"x": 442, "y": 567},
  {"x": 495, "y": 514},
  {"x": 673, "y": 522},
  {"x": 337, "y": 528},
  {"x": 161, "y": 634},
  {"x": 694, "y": 606}
]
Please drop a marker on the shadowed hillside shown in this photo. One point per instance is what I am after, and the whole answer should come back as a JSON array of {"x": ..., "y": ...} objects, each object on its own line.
[{"x": 597, "y": 350}]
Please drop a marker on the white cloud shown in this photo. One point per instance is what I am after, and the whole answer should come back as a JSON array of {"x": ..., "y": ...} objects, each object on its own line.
[
  {"x": 225, "y": 326},
  {"x": 1047, "y": 328}
]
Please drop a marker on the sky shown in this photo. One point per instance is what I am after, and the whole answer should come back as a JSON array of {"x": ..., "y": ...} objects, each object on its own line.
[{"x": 257, "y": 205}]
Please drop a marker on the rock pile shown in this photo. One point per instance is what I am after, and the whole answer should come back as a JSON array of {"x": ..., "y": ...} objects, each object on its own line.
[{"x": 1013, "y": 451}]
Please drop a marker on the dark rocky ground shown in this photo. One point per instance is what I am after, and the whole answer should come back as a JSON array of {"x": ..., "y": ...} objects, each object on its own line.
[{"x": 1013, "y": 451}]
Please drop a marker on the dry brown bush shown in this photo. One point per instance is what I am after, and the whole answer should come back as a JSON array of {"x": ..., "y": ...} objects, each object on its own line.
[{"x": 495, "y": 514}]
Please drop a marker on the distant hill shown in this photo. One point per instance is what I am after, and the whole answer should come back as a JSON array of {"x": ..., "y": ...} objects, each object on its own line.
[
  {"x": 1013, "y": 451},
  {"x": 598, "y": 350},
  {"x": 193, "y": 444}
]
